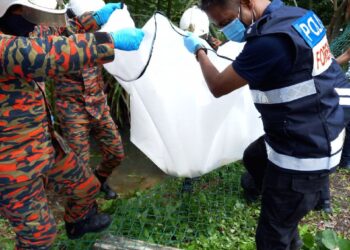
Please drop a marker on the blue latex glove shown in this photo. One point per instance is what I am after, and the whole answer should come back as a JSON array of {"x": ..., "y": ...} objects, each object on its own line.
[
  {"x": 128, "y": 39},
  {"x": 102, "y": 15},
  {"x": 192, "y": 43}
]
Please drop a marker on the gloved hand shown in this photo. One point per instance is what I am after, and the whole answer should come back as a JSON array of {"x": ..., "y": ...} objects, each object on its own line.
[
  {"x": 193, "y": 43},
  {"x": 128, "y": 39},
  {"x": 102, "y": 15}
]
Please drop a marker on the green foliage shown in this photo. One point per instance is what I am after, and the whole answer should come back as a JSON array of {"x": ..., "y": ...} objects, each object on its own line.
[
  {"x": 323, "y": 8},
  {"x": 118, "y": 101},
  {"x": 322, "y": 240},
  {"x": 327, "y": 239},
  {"x": 5, "y": 242},
  {"x": 143, "y": 10},
  {"x": 50, "y": 98},
  {"x": 172, "y": 8},
  {"x": 213, "y": 216}
]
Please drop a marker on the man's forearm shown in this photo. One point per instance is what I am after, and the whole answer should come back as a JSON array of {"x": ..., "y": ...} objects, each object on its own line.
[
  {"x": 210, "y": 72},
  {"x": 219, "y": 83},
  {"x": 344, "y": 58}
]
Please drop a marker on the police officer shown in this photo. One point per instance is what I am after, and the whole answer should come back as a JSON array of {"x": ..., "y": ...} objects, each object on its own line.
[
  {"x": 345, "y": 160},
  {"x": 288, "y": 65},
  {"x": 32, "y": 156},
  {"x": 81, "y": 104}
]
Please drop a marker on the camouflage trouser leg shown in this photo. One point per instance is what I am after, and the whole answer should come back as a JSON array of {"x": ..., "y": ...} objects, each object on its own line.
[
  {"x": 77, "y": 136},
  {"x": 107, "y": 136},
  {"x": 106, "y": 133},
  {"x": 73, "y": 181},
  {"x": 25, "y": 206}
]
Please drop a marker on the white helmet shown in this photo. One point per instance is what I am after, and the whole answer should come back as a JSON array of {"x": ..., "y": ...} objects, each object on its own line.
[
  {"x": 38, "y": 11},
  {"x": 79, "y": 7},
  {"x": 195, "y": 20}
]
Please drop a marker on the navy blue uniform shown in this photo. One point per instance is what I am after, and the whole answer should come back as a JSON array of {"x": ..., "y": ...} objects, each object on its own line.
[{"x": 293, "y": 79}]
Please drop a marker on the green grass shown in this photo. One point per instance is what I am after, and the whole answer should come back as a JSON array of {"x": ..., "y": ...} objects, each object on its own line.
[
  {"x": 6, "y": 234},
  {"x": 214, "y": 216}
]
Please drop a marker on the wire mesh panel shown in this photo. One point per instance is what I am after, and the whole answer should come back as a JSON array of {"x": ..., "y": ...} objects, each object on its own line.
[
  {"x": 341, "y": 43},
  {"x": 208, "y": 214}
]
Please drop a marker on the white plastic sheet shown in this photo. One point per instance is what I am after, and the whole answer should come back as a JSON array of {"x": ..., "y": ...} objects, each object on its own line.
[
  {"x": 175, "y": 120},
  {"x": 81, "y": 6}
]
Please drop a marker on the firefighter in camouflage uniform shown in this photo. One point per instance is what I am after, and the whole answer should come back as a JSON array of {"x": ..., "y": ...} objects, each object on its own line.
[
  {"x": 87, "y": 112},
  {"x": 32, "y": 156},
  {"x": 81, "y": 106}
]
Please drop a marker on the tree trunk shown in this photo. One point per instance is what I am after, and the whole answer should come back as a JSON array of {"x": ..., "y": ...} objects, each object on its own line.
[
  {"x": 168, "y": 12},
  {"x": 310, "y": 4},
  {"x": 338, "y": 20},
  {"x": 347, "y": 14}
]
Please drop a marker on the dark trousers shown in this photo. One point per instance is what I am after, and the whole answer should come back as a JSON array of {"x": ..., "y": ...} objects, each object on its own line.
[
  {"x": 345, "y": 158},
  {"x": 286, "y": 198}
]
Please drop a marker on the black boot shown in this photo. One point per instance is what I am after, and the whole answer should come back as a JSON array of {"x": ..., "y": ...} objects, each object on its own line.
[
  {"x": 93, "y": 223},
  {"x": 347, "y": 167},
  {"x": 187, "y": 186},
  {"x": 325, "y": 205},
  {"x": 250, "y": 191},
  {"x": 296, "y": 243},
  {"x": 327, "y": 208},
  {"x": 109, "y": 193}
]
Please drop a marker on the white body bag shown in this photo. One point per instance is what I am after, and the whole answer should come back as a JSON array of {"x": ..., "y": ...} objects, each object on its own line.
[{"x": 175, "y": 120}]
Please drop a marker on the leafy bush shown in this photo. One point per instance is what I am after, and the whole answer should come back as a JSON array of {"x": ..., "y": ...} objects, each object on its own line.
[{"x": 323, "y": 240}]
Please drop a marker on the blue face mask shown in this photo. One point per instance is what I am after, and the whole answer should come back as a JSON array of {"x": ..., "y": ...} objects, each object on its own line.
[{"x": 235, "y": 30}]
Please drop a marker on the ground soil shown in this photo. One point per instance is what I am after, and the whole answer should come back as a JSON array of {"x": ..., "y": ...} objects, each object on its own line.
[{"x": 339, "y": 221}]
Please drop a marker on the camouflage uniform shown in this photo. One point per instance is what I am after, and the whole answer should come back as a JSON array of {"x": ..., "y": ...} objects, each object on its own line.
[
  {"x": 81, "y": 106},
  {"x": 28, "y": 147}
]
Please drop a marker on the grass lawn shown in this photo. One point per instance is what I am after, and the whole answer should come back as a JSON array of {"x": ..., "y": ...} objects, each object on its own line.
[{"x": 213, "y": 216}]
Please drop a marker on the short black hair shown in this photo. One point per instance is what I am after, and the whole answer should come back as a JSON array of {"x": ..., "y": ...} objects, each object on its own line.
[{"x": 206, "y": 4}]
